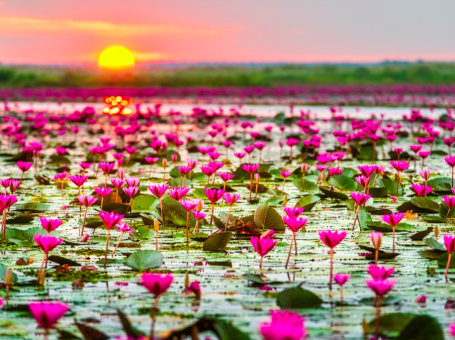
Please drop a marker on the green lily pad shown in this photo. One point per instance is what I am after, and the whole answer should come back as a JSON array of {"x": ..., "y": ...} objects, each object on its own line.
[
  {"x": 144, "y": 259},
  {"x": 298, "y": 298}
]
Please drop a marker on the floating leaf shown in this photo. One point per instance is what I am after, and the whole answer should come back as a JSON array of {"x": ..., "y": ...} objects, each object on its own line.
[
  {"x": 440, "y": 184},
  {"x": 25, "y": 236},
  {"x": 421, "y": 234},
  {"x": 343, "y": 183},
  {"x": 144, "y": 202},
  {"x": 378, "y": 192},
  {"x": 433, "y": 244},
  {"x": 33, "y": 206},
  {"x": 310, "y": 186},
  {"x": 298, "y": 298},
  {"x": 268, "y": 218},
  {"x": 334, "y": 194},
  {"x": 118, "y": 208},
  {"x": 144, "y": 259},
  {"x": 20, "y": 219},
  {"x": 217, "y": 242},
  {"x": 176, "y": 213},
  {"x": 425, "y": 203},
  {"x": 308, "y": 202}
]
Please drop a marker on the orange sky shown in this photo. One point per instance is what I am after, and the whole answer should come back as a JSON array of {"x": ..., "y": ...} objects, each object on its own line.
[{"x": 69, "y": 31}]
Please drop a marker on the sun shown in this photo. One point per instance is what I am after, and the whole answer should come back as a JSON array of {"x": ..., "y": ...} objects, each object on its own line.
[{"x": 116, "y": 58}]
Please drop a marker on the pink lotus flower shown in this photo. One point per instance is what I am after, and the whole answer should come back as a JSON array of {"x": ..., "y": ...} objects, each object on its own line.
[
  {"x": 78, "y": 180},
  {"x": 285, "y": 174},
  {"x": 335, "y": 171},
  {"x": 24, "y": 166},
  {"x": 421, "y": 190},
  {"x": 106, "y": 167},
  {"x": 103, "y": 191},
  {"x": 263, "y": 246},
  {"x": 399, "y": 166},
  {"x": 133, "y": 181},
  {"x": 363, "y": 181},
  {"x": 294, "y": 223},
  {"x": 380, "y": 287},
  {"x": 393, "y": 219},
  {"x": 178, "y": 193},
  {"x": 367, "y": 170},
  {"x": 250, "y": 168},
  {"x": 87, "y": 201},
  {"x": 285, "y": 325},
  {"x": 6, "y": 201},
  {"x": 226, "y": 176},
  {"x": 240, "y": 155},
  {"x": 131, "y": 191},
  {"x": 158, "y": 190},
  {"x": 360, "y": 198},
  {"x": 50, "y": 225},
  {"x": 296, "y": 211},
  {"x": 331, "y": 238},
  {"x": 425, "y": 174},
  {"x": 341, "y": 279},
  {"x": 117, "y": 182},
  {"x": 47, "y": 314},
  {"x": 110, "y": 219},
  {"x": 449, "y": 200},
  {"x": 157, "y": 284},
  {"x": 421, "y": 299},
  {"x": 13, "y": 185},
  {"x": 192, "y": 163},
  {"x": 46, "y": 243},
  {"x": 380, "y": 273}
]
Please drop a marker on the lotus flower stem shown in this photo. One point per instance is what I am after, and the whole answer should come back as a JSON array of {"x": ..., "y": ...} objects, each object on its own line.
[
  {"x": 260, "y": 262},
  {"x": 131, "y": 205},
  {"x": 227, "y": 221},
  {"x": 211, "y": 217},
  {"x": 251, "y": 184},
  {"x": 376, "y": 255},
  {"x": 378, "y": 316},
  {"x": 331, "y": 269},
  {"x": 341, "y": 294},
  {"x": 4, "y": 223},
  {"x": 105, "y": 181},
  {"x": 102, "y": 200},
  {"x": 290, "y": 249},
  {"x": 107, "y": 247},
  {"x": 284, "y": 182},
  {"x": 116, "y": 246},
  {"x": 42, "y": 266},
  {"x": 150, "y": 174},
  {"x": 154, "y": 311},
  {"x": 355, "y": 219},
  {"x": 162, "y": 215},
  {"x": 295, "y": 243},
  {"x": 83, "y": 223},
  {"x": 393, "y": 242},
  {"x": 448, "y": 264},
  {"x": 187, "y": 225}
]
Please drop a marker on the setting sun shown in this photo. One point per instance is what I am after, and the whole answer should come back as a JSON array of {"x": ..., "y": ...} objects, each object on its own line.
[{"x": 116, "y": 58}]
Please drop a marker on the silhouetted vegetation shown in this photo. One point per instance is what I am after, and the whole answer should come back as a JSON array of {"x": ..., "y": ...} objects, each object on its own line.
[{"x": 214, "y": 76}]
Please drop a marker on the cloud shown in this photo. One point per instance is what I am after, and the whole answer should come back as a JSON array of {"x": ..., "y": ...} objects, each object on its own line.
[{"x": 11, "y": 25}]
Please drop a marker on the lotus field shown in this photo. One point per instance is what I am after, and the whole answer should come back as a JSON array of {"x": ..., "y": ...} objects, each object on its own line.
[{"x": 185, "y": 221}]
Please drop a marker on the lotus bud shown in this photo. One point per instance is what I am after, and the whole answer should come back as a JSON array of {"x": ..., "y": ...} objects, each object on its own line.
[
  {"x": 285, "y": 200},
  {"x": 199, "y": 206},
  {"x": 187, "y": 280},
  {"x": 156, "y": 225},
  {"x": 436, "y": 232}
]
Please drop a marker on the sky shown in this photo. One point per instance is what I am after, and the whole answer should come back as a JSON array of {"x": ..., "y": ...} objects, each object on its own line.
[{"x": 294, "y": 31}]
